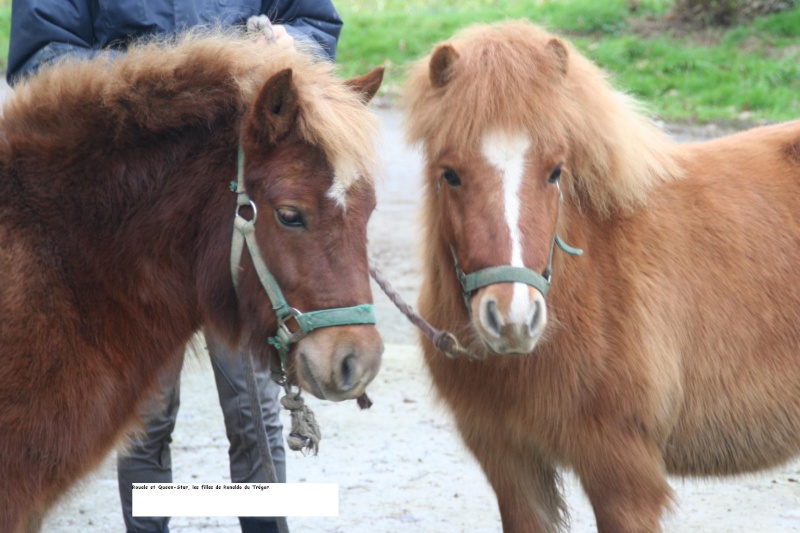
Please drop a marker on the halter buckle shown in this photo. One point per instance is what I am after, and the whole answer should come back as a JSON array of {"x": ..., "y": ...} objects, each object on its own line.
[{"x": 286, "y": 335}]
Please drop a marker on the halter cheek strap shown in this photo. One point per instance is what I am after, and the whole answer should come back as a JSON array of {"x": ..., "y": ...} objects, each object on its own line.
[{"x": 244, "y": 235}]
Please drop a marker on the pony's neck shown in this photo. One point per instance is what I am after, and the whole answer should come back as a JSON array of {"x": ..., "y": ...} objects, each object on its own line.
[
  {"x": 160, "y": 223},
  {"x": 579, "y": 281},
  {"x": 169, "y": 200}
]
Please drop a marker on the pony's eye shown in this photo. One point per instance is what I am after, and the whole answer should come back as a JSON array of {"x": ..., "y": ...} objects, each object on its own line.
[
  {"x": 556, "y": 174},
  {"x": 449, "y": 175},
  {"x": 290, "y": 217}
]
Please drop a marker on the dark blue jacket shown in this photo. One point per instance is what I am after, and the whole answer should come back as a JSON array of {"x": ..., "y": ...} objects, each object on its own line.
[{"x": 43, "y": 30}]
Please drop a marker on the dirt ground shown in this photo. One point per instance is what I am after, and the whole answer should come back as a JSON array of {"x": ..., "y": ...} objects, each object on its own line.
[{"x": 401, "y": 466}]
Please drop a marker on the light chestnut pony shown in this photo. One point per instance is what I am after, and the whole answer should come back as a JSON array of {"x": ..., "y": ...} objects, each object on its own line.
[{"x": 669, "y": 347}]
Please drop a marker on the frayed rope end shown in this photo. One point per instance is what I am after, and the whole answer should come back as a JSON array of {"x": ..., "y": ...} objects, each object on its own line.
[{"x": 305, "y": 433}]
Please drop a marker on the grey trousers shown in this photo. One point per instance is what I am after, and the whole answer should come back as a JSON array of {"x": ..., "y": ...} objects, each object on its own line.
[{"x": 150, "y": 461}]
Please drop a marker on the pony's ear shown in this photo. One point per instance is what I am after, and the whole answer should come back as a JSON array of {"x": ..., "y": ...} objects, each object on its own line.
[
  {"x": 559, "y": 53},
  {"x": 441, "y": 65},
  {"x": 368, "y": 84},
  {"x": 275, "y": 108}
]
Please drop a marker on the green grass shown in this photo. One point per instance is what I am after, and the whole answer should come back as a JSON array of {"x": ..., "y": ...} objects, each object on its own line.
[
  {"x": 749, "y": 72},
  {"x": 5, "y": 31},
  {"x": 703, "y": 83},
  {"x": 392, "y": 32}
]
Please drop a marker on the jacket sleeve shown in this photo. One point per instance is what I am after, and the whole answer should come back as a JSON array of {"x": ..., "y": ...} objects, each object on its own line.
[
  {"x": 45, "y": 30},
  {"x": 308, "y": 20}
]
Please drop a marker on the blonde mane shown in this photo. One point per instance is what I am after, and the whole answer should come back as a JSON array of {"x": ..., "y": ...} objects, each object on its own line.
[
  {"x": 143, "y": 87},
  {"x": 518, "y": 77}
]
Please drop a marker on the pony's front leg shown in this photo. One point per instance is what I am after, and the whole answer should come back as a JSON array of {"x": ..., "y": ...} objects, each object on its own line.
[
  {"x": 528, "y": 496},
  {"x": 20, "y": 520},
  {"x": 35, "y": 520},
  {"x": 526, "y": 486},
  {"x": 625, "y": 479}
]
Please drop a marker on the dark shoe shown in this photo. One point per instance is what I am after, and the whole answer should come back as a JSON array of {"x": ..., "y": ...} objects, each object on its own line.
[{"x": 254, "y": 524}]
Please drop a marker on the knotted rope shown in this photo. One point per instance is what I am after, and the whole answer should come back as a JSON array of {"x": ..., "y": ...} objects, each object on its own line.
[{"x": 305, "y": 433}]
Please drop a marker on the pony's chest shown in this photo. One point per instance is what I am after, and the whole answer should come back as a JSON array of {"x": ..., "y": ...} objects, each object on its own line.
[{"x": 517, "y": 397}]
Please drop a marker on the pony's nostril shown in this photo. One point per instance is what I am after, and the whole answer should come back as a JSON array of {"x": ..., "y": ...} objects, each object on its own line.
[
  {"x": 534, "y": 323},
  {"x": 492, "y": 320},
  {"x": 348, "y": 372}
]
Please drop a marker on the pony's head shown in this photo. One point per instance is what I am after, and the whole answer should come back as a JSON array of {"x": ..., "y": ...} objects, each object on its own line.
[
  {"x": 491, "y": 200},
  {"x": 308, "y": 152},
  {"x": 519, "y": 134},
  {"x": 171, "y": 115}
]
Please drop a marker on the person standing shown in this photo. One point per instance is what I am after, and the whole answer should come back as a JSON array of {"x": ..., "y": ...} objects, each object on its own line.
[{"x": 42, "y": 31}]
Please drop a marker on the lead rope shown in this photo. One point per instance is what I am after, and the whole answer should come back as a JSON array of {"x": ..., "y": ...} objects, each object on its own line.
[
  {"x": 252, "y": 392},
  {"x": 261, "y": 436},
  {"x": 444, "y": 341},
  {"x": 255, "y": 24},
  {"x": 301, "y": 415}
]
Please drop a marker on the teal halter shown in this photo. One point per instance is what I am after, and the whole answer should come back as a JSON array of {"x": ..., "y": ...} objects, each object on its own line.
[
  {"x": 244, "y": 234},
  {"x": 513, "y": 274}
]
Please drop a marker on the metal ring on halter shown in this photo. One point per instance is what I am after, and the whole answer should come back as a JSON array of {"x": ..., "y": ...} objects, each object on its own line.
[
  {"x": 253, "y": 206},
  {"x": 291, "y": 337}
]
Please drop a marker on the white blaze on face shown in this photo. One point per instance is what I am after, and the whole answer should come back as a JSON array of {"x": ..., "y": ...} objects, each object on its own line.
[
  {"x": 338, "y": 193},
  {"x": 344, "y": 176},
  {"x": 507, "y": 152}
]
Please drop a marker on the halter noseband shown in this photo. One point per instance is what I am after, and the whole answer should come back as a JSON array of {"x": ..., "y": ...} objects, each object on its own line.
[
  {"x": 244, "y": 234},
  {"x": 513, "y": 274}
]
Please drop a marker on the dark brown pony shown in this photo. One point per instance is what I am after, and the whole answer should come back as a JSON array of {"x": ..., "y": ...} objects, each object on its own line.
[
  {"x": 671, "y": 346},
  {"x": 116, "y": 217}
]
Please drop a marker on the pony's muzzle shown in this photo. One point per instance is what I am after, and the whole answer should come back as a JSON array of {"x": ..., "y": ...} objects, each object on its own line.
[
  {"x": 509, "y": 317},
  {"x": 337, "y": 363}
]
